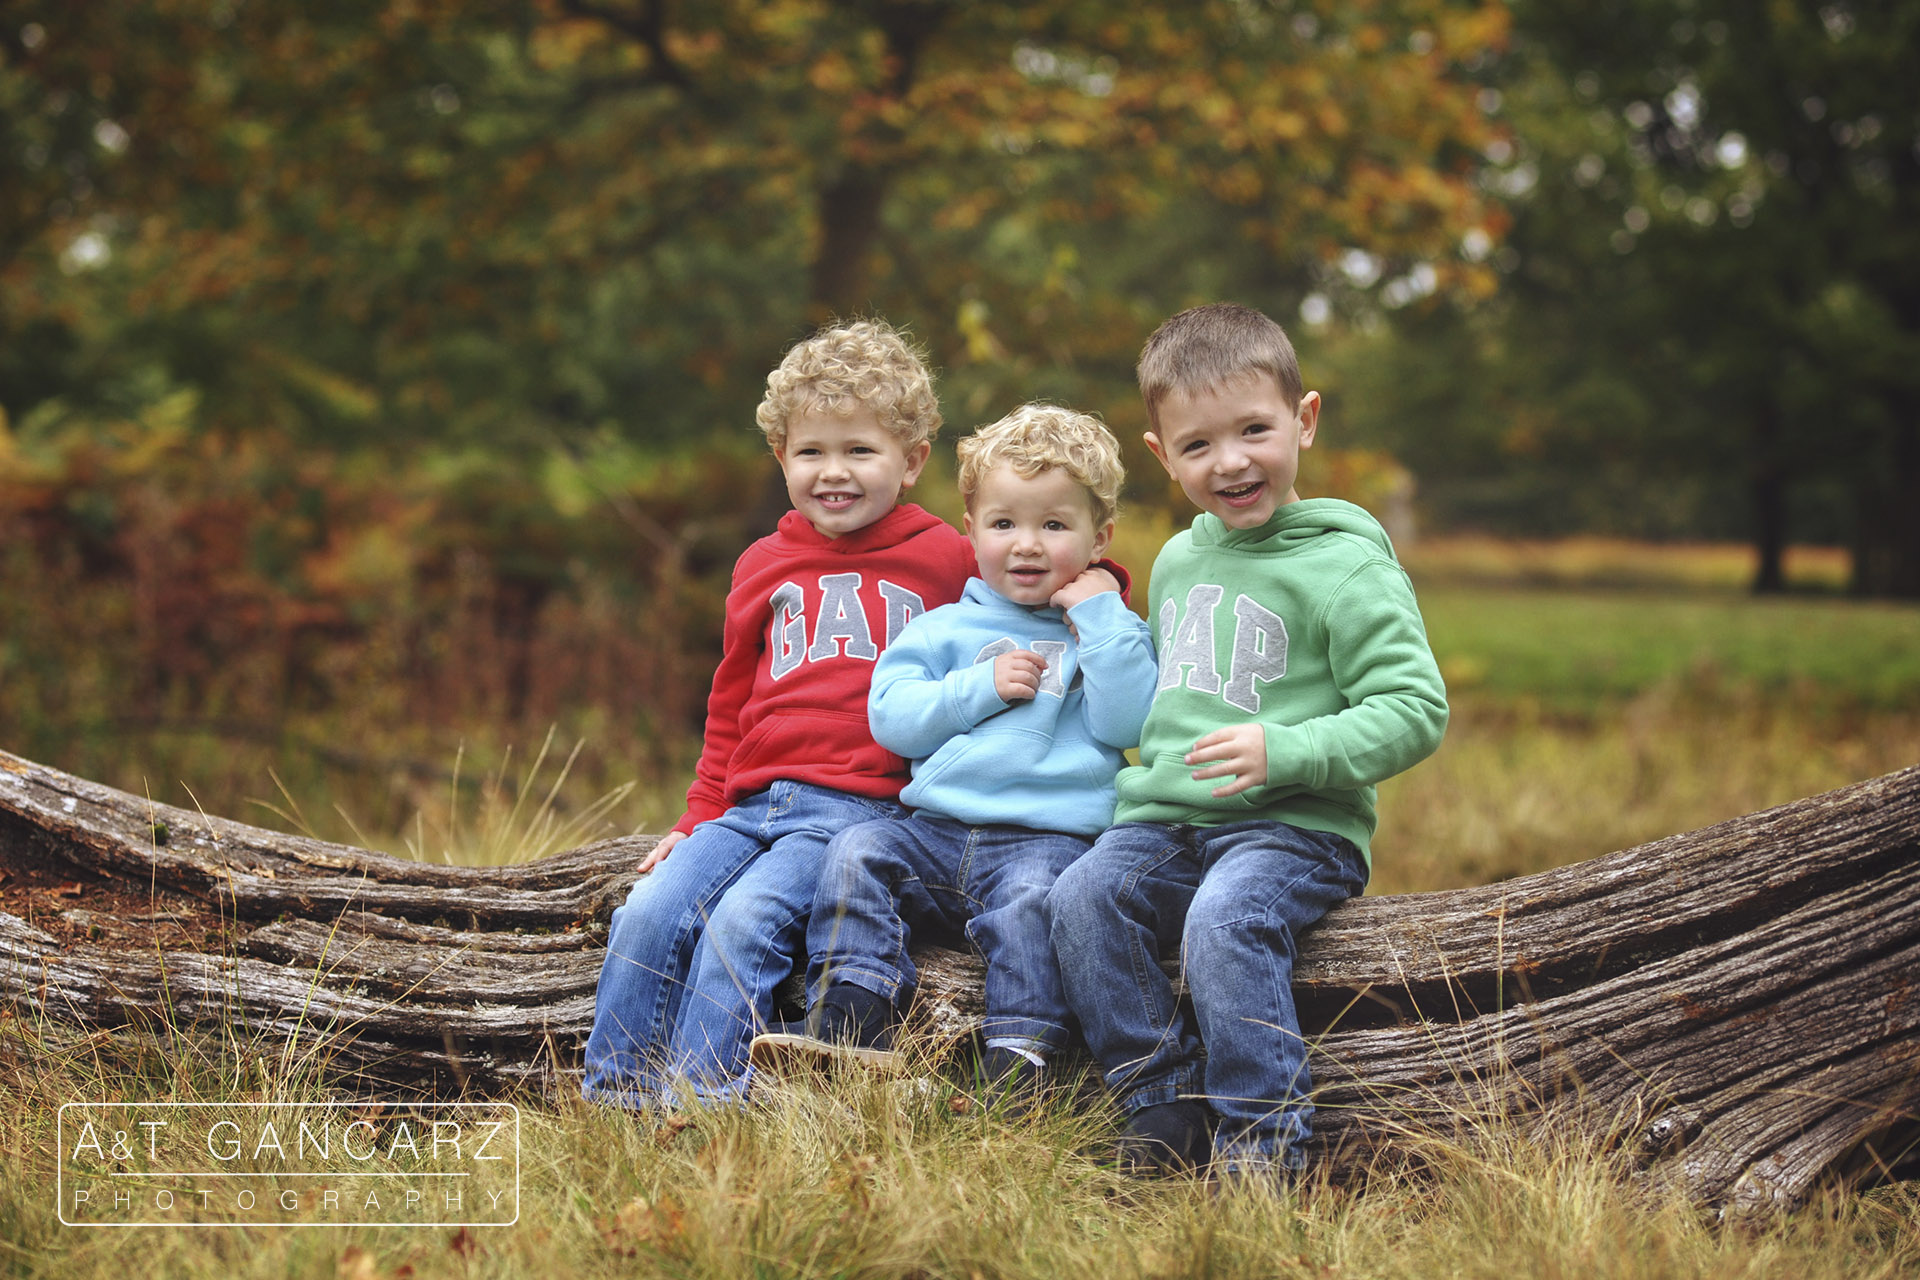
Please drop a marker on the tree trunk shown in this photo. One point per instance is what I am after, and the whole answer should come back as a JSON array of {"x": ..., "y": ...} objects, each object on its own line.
[
  {"x": 851, "y": 203},
  {"x": 849, "y": 224},
  {"x": 1738, "y": 1005},
  {"x": 1769, "y": 491},
  {"x": 1886, "y": 557}
]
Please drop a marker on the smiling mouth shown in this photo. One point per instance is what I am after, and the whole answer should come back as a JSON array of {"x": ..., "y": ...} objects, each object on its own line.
[
  {"x": 836, "y": 501},
  {"x": 1242, "y": 493}
]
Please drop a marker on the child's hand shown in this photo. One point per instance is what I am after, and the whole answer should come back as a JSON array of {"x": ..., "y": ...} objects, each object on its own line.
[
  {"x": 1016, "y": 675},
  {"x": 1238, "y": 751},
  {"x": 1091, "y": 582},
  {"x": 658, "y": 854}
]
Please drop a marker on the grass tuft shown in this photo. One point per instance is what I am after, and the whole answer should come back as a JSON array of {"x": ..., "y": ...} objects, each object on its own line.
[{"x": 862, "y": 1175}]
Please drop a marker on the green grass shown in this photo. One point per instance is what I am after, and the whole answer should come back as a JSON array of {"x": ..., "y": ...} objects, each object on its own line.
[{"x": 1578, "y": 651}]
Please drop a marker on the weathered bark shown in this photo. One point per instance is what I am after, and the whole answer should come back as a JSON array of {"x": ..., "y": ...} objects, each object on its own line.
[{"x": 1740, "y": 1005}]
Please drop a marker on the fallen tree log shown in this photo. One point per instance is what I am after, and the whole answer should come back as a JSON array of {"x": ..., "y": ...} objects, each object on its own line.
[{"x": 1740, "y": 1005}]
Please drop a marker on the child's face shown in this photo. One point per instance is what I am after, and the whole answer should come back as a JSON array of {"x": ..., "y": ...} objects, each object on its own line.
[
  {"x": 1032, "y": 535},
  {"x": 845, "y": 471},
  {"x": 1236, "y": 449}
]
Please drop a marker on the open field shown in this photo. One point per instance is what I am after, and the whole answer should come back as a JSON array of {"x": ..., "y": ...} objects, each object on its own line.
[
  {"x": 863, "y": 1177},
  {"x": 1591, "y": 714},
  {"x": 1587, "y": 717}
]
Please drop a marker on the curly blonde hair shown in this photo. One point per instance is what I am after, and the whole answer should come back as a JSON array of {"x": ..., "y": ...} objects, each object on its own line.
[
  {"x": 847, "y": 366},
  {"x": 1042, "y": 437}
]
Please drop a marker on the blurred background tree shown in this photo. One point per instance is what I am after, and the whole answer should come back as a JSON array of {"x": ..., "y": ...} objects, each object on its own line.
[
  {"x": 505, "y": 222},
  {"x": 1709, "y": 315},
  {"x": 401, "y": 354},
  {"x": 395, "y": 359}
]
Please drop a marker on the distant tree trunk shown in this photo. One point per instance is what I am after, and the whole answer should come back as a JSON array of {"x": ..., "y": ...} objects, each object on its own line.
[
  {"x": 849, "y": 226},
  {"x": 1769, "y": 503},
  {"x": 1737, "y": 1006},
  {"x": 850, "y": 205},
  {"x": 1886, "y": 559}
]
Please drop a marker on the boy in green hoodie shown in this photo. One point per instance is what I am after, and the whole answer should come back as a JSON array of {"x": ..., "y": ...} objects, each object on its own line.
[{"x": 1294, "y": 675}]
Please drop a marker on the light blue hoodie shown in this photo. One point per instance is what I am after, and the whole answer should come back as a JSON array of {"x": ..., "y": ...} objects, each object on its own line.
[{"x": 1047, "y": 763}]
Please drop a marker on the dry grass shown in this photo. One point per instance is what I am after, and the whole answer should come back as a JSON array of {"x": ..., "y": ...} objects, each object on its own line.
[
  {"x": 1515, "y": 790},
  {"x": 1617, "y": 562},
  {"x": 862, "y": 1178}
]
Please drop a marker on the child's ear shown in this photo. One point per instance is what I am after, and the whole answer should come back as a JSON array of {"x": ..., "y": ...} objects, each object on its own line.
[
  {"x": 1309, "y": 418},
  {"x": 1102, "y": 540},
  {"x": 1159, "y": 451},
  {"x": 966, "y": 523},
  {"x": 916, "y": 462}
]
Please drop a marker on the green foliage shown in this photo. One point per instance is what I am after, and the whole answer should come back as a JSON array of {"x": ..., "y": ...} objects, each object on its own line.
[
  {"x": 1709, "y": 314},
  {"x": 491, "y": 224}
]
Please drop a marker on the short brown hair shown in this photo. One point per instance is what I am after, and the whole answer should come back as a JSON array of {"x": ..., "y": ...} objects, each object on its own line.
[
  {"x": 1207, "y": 347},
  {"x": 1046, "y": 437},
  {"x": 847, "y": 366}
]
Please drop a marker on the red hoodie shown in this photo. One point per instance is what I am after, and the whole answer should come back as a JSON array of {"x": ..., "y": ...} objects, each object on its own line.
[{"x": 807, "y": 616}]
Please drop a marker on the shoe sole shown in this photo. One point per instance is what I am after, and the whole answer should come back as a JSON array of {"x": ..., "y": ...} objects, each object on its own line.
[{"x": 785, "y": 1053}]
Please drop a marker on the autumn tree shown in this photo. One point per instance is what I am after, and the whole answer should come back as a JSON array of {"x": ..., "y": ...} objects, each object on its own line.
[{"x": 490, "y": 220}]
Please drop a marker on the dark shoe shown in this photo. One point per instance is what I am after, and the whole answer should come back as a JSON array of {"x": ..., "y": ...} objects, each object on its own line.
[
  {"x": 848, "y": 1024},
  {"x": 1010, "y": 1081},
  {"x": 1171, "y": 1138},
  {"x": 854, "y": 1017}
]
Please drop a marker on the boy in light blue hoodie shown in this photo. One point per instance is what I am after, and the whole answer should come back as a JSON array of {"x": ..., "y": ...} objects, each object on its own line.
[{"x": 1014, "y": 706}]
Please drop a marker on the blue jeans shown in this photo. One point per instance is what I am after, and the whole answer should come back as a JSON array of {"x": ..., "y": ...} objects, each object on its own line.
[
  {"x": 882, "y": 879},
  {"x": 695, "y": 952},
  {"x": 1233, "y": 898}
]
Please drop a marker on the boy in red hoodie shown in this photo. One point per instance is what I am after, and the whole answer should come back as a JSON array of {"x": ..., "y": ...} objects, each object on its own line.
[{"x": 720, "y": 910}]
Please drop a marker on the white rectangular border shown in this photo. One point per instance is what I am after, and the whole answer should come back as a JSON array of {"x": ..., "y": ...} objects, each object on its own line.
[{"x": 60, "y": 1166}]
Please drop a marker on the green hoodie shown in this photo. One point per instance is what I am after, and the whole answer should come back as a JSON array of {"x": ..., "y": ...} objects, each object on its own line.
[{"x": 1307, "y": 626}]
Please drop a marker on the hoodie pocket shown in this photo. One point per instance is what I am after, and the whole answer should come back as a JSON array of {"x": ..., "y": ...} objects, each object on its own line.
[
  {"x": 818, "y": 744},
  {"x": 1167, "y": 779}
]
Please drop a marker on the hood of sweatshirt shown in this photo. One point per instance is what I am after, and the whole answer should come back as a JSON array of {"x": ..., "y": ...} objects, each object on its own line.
[
  {"x": 979, "y": 593},
  {"x": 903, "y": 522},
  {"x": 1293, "y": 523}
]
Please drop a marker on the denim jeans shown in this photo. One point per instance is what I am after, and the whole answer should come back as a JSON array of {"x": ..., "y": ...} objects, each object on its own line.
[
  {"x": 695, "y": 952},
  {"x": 1233, "y": 898},
  {"x": 883, "y": 879}
]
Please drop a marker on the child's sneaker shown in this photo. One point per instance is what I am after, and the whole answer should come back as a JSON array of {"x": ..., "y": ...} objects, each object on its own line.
[
  {"x": 1170, "y": 1138},
  {"x": 1008, "y": 1079},
  {"x": 849, "y": 1024}
]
